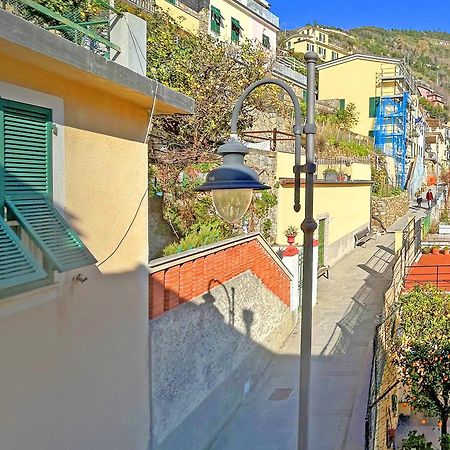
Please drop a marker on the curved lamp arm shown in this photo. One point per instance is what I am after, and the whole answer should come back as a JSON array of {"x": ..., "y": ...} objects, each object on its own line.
[{"x": 297, "y": 129}]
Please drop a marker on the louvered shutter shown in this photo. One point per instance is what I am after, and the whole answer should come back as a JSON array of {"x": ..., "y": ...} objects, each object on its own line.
[
  {"x": 51, "y": 232},
  {"x": 26, "y": 149},
  {"x": 17, "y": 265}
]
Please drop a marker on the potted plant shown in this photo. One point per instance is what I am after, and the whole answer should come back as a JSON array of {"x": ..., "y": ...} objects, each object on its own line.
[
  {"x": 426, "y": 250},
  {"x": 330, "y": 174},
  {"x": 435, "y": 249},
  {"x": 446, "y": 250},
  {"x": 290, "y": 233}
]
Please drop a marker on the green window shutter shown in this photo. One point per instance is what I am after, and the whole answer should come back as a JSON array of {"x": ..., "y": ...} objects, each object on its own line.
[
  {"x": 235, "y": 30},
  {"x": 371, "y": 133},
  {"x": 171, "y": 1},
  {"x": 305, "y": 96},
  {"x": 25, "y": 149},
  {"x": 373, "y": 106},
  {"x": 57, "y": 240},
  {"x": 342, "y": 103},
  {"x": 17, "y": 265},
  {"x": 216, "y": 19},
  {"x": 265, "y": 41}
]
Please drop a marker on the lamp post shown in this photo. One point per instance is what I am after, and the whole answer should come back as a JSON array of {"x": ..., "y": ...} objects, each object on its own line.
[{"x": 232, "y": 184}]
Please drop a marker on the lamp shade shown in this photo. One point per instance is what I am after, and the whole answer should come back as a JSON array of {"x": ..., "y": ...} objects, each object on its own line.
[
  {"x": 232, "y": 183},
  {"x": 232, "y": 204}
]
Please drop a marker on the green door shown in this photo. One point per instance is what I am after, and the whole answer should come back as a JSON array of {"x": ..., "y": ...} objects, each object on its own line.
[{"x": 321, "y": 243}]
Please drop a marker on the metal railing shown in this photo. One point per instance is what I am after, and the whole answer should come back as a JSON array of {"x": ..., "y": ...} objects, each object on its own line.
[
  {"x": 384, "y": 378},
  {"x": 88, "y": 27}
]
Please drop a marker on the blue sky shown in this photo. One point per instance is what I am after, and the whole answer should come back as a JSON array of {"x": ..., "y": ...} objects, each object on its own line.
[{"x": 410, "y": 14}]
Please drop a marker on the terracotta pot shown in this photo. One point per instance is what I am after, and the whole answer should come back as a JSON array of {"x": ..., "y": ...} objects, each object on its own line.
[
  {"x": 435, "y": 251},
  {"x": 446, "y": 252},
  {"x": 291, "y": 239}
]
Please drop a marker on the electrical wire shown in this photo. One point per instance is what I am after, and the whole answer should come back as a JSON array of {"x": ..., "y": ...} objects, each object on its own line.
[{"x": 127, "y": 231}]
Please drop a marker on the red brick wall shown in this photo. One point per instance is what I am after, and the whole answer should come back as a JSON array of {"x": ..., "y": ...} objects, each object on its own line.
[{"x": 181, "y": 283}]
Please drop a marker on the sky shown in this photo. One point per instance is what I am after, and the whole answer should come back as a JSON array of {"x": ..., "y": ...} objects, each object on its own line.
[{"x": 409, "y": 14}]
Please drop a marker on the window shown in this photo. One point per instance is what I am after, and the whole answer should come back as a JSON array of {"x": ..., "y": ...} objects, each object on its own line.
[
  {"x": 289, "y": 45},
  {"x": 371, "y": 133},
  {"x": 216, "y": 20},
  {"x": 235, "y": 30},
  {"x": 171, "y": 1},
  {"x": 310, "y": 47},
  {"x": 321, "y": 37},
  {"x": 334, "y": 55},
  {"x": 265, "y": 41},
  {"x": 305, "y": 96},
  {"x": 35, "y": 240},
  {"x": 322, "y": 52},
  {"x": 374, "y": 102},
  {"x": 342, "y": 103}
]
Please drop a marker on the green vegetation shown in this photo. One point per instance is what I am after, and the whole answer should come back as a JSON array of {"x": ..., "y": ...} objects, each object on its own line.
[
  {"x": 422, "y": 352},
  {"x": 182, "y": 149},
  {"x": 416, "y": 441},
  {"x": 435, "y": 111}
]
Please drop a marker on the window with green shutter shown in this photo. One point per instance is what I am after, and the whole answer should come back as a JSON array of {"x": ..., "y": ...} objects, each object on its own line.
[
  {"x": 171, "y": 1},
  {"x": 374, "y": 102},
  {"x": 216, "y": 19},
  {"x": 342, "y": 104},
  {"x": 371, "y": 133},
  {"x": 235, "y": 30},
  {"x": 17, "y": 265},
  {"x": 265, "y": 41},
  {"x": 26, "y": 196}
]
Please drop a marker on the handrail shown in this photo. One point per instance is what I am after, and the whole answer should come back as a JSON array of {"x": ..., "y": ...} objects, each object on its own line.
[{"x": 80, "y": 27}]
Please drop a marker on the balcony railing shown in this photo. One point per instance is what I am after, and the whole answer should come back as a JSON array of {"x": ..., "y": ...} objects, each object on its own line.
[{"x": 89, "y": 26}]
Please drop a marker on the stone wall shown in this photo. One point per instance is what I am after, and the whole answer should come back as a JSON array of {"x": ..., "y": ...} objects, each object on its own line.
[
  {"x": 386, "y": 210},
  {"x": 208, "y": 353}
]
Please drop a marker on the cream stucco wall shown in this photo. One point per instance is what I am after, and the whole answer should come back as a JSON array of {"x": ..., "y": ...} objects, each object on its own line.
[
  {"x": 187, "y": 20},
  {"x": 75, "y": 371},
  {"x": 346, "y": 208},
  {"x": 354, "y": 81},
  {"x": 253, "y": 26}
]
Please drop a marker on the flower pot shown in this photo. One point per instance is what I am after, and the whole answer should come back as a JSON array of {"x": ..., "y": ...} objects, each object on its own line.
[
  {"x": 446, "y": 252},
  {"x": 435, "y": 251},
  {"x": 290, "y": 239}
]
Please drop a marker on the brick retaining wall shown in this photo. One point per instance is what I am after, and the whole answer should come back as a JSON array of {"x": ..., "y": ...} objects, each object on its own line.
[{"x": 180, "y": 278}]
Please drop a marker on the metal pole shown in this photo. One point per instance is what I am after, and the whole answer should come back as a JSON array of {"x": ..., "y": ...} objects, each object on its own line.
[{"x": 308, "y": 227}]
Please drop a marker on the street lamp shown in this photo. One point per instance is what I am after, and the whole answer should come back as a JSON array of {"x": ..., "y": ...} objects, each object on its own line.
[{"x": 232, "y": 185}]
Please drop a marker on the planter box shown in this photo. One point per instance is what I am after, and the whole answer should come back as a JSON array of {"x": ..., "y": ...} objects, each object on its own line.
[{"x": 444, "y": 229}]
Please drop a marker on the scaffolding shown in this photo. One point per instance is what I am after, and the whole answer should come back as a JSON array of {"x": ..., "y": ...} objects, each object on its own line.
[
  {"x": 391, "y": 126},
  {"x": 391, "y": 131}
]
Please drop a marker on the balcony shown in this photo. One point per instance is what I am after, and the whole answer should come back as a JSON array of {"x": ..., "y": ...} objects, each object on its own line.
[{"x": 89, "y": 27}]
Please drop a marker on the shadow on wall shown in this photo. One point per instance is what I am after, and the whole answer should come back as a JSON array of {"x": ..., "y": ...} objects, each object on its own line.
[{"x": 207, "y": 354}]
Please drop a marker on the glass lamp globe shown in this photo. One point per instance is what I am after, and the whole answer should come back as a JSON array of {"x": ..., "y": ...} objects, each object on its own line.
[{"x": 232, "y": 204}]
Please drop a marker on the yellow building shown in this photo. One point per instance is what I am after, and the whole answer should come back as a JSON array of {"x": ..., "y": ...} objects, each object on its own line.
[
  {"x": 315, "y": 39},
  {"x": 227, "y": 20},
  {"x": 384, "y": 94},
  {"x": 336, "y": 227},
  {"x": 186, "y": 17},
  {"x": 74, "y": 240}
]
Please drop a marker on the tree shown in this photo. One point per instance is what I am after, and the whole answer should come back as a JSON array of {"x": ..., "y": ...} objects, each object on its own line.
[
  {"x": 422, "y": 352},
  {"x": 215, "y": 74}
]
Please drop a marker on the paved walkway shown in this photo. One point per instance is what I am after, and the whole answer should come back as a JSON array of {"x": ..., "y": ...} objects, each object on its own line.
[{"x": 343, "y": 328}]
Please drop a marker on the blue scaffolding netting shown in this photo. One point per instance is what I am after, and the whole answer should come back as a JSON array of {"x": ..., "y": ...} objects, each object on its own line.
[{"x": 390, "y": 132}]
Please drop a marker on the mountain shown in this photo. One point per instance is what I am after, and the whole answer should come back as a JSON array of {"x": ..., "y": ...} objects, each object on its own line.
[{"x": 426, "y": 52}]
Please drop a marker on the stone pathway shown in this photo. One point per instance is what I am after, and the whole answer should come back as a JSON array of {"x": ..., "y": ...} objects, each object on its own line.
[{"x": 343, "y": 327}]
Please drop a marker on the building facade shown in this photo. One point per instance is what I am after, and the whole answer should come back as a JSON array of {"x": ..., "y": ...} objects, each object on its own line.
[
  {"x": 387, "y": 105},
  {"x": 73, "y": 239},
  {"x": 315, "y": 39}
]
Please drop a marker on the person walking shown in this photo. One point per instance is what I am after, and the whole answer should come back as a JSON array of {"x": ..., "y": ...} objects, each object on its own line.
[
  {"x": 429, "y": 198},
  {"x": 419, "y": 200}
]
